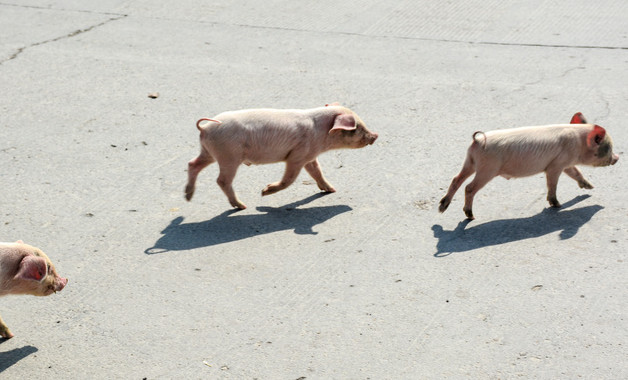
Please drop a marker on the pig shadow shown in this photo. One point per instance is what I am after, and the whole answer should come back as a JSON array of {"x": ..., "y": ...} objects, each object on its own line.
[
  {"x": 502, "y": 231},
  {"x": 227, "y": 227},
  {"x": 9, "y": 358}
]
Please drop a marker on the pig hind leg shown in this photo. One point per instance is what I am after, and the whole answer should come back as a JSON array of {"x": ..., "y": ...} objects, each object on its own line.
[
  {"x": 289, "y": 176},
  {"x": 194, "y": 167},
  {"x": 575, "y": 173},
  {"x": 468, "y": 168},
  {"x": 483, "y": 176},
  {"x": 314, "y": 169},
  {"x": 551, "y": 176},
  {"x": 225, "y": 180},
  {"x": 4, "y": 330}
]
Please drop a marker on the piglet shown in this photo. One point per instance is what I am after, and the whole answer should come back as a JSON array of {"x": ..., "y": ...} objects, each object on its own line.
[
  {"x": 264, "y": 136},
  {"x": 521, "y": 152},
  {"x": 26, "y": 270}
]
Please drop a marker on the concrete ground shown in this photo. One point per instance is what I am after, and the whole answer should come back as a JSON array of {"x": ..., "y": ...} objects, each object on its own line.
[{"x": 370, "y": 282}]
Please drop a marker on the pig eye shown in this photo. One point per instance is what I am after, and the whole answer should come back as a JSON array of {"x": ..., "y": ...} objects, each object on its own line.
[{"x": 603, "y": 150}]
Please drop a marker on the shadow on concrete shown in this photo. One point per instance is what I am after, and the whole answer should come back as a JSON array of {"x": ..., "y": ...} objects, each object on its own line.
[
  {"x": 228, "y": 227},
  {"x": 7, "y": 359},
  {"x": 503, "y": 231}
]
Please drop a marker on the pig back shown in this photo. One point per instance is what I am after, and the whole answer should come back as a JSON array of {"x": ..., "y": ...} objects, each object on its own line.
[
  {"x": 529, "y": 150},
  {"x": 261, "y": 136}
]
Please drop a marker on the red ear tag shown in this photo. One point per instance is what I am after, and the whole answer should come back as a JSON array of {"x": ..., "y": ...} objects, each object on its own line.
[{"x": 578, "y": 118}]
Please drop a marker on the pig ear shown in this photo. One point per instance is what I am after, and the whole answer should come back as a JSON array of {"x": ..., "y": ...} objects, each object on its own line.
[
  {"x": 595, "y": 137},
  {"x": 19, "y": 242},
  {"x": 578, "y": 118},
  {"x": 343, "y": 123},
  {"x": 32, "y": 268}
]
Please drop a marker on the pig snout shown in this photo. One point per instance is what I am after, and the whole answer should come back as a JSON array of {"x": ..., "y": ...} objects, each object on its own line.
[
  {"x": 365, "y": 136},
  {"x": 614, "y": 159},
  {"x": 60, "y": 283},
  {"x": 54, "y": 283}
]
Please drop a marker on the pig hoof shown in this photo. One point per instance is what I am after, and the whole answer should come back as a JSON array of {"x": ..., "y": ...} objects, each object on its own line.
[
  {"x": 5, "y": 333},
  {"x": 553, "y": 201},
  {"x": 585, "y": 185},
  {"x": 326, "y": 187},
  {"x": 268, "y": 190},
  {"x": 469, "y": 214},
  {"x": 238, "y": 205},
  {"x": 444, "y": 203},
  {"x": 189, "y": 192}
]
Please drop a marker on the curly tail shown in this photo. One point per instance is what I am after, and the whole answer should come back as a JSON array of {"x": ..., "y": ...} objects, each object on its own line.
[
  {"x": 476, "y": 141},
  {"x": 198, "y": 123}
]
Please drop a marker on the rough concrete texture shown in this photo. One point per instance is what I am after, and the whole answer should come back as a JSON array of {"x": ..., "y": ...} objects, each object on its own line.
[{"x": 370, "y": 282}]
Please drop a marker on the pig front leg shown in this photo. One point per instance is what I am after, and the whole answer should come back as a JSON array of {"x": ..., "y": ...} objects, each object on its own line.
[
  {"x": 289, "y": 176},
  {"x": 314, "y": 170},
  {"x": 225, "y": 179},
  {"x": 4, "y": 330},
  {"x": 575, "y": 173}
]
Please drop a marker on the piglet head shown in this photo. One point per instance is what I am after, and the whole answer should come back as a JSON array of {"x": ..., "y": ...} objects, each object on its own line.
[
  {"x": 349, "y": 131},
  {"x": 38, "y": 276},
  {"x": 600, "y": 145}
]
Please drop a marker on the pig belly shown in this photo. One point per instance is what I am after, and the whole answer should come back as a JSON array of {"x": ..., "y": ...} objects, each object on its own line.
[
  {"x": 269, "y": 155},
  {"x": 522, "y": 168},
  {"x": 245, "y": 152}
]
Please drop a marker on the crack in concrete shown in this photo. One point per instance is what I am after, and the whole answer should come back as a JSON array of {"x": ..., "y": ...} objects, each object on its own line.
[
  {"x": 607, "y": 106},
  {"x": 60, "y": 9},
  {"x": 66, "y": 36}
]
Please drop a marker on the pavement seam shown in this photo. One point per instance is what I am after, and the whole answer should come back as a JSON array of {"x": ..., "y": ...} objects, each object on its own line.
[{"x": 443, "y": 40}]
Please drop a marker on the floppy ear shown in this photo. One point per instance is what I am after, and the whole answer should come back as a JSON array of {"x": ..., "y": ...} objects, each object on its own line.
[
  {"x": 343, "y": 123},
  {"x": 595, "y": 137},
  {"x": 32, "y": 268},
  {"x": 578, "y": 118}
]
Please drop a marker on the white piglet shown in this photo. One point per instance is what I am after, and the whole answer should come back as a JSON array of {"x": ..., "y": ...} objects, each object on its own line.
[
  {"x": 521, "y": 152},
  {"x": 263, "y": 136},
  {"x": 25, "y": 269}
]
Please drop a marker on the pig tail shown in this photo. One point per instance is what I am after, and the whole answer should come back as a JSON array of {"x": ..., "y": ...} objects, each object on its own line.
[
  {"x": 483, "y": 134},
  {"x": 198, "y": 123}
]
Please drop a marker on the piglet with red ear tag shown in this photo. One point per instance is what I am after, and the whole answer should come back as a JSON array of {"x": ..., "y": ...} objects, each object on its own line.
[
  {"x": 525, "y": 151},
  {"x": 25, "y": 269}
]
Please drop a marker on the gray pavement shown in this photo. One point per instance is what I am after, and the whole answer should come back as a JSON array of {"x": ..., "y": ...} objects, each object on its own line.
[{"x": 370, "y": 282}]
